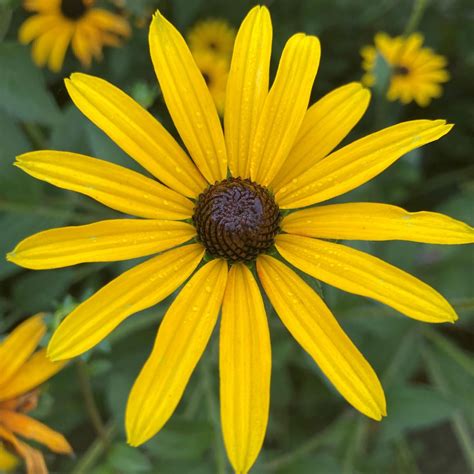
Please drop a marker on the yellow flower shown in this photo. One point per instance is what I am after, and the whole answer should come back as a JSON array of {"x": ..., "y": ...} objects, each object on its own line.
[
  {"x": 279, "y": 156},
  {"x": 215, "y": 36},
  {"x": 59, "y": 23},
  {"x": 416, "y": 73},
  {"x": 215, "y": 70},
  {"x": 22, "y": 370}
]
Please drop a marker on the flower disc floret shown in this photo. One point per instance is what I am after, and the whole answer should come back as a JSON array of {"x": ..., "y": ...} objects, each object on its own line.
[{"x": 236, "y": 219}]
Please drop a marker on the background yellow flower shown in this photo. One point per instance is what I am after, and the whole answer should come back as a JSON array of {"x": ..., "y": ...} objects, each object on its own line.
[
  {"x": 57, "y": 24},
  {"x": 416, "y": 73}
]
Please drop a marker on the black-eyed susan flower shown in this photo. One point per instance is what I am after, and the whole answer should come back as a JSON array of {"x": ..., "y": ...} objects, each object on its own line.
[
  {"x": 22, "y": 371},
  {"x": 57, "y": 24},
  {"x": 416, "y": 73},
  {"x": 228, "y": 202},
  {"x": 212, "y": 35}
]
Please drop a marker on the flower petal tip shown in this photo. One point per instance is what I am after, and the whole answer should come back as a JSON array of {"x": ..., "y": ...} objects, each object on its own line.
[{"x": 134, "y": 440}]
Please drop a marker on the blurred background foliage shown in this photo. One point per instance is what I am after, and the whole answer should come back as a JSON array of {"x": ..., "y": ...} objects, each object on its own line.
[{"x": 427, "y": 371}]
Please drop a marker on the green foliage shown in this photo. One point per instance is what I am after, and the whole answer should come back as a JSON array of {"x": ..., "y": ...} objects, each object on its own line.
[{"x": 427, "y": 371}]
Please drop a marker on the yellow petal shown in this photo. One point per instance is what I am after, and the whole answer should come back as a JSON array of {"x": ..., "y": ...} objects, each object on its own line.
[
  {"x": 34, "y": 26},
  {"x": 371, "y": 221},
  {"x": 29, "y": 428},
  {"x": 325, "y": 125},
  {"x": 247, "y": 87},
  {"x": 181, "y": 340},
  {"x": 244, "y": 367},
  {"x": 138, "y": 288},
  {"x": 362, "y": 274},
  {"x": 34, "y": 459},
  {"x": 43, "y": 45},
  {"x": 285, "y": 107},
  {"x": 58, "y": 51},
  {"x": 81, "y": 47},
  {"x": 115, "y": 186},
  {"x": 33, "y": 373},
  {"x": 136, "y": 131},
  {"x": 312, "y": 324},
  {"x": 106, "y": 241},
  {"x": 359, "y": 162},
  {"x": 17, "y": 347},
  {"x": 188, "y": 99},
  {"x": 105, "y": 20}
]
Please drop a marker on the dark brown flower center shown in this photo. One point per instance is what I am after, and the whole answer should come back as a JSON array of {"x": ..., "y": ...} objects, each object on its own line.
[
  {"x": 73, "y": 9},
  {"x": 401, "y": 71},
  {"x": 236, "y": 219}
]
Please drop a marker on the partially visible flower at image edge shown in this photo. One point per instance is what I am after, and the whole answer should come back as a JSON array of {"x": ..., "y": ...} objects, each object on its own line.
[
  {"x": 226, "y": 203},
  {"x": 57, "y": 24},
  {"x": 22, "y": 371},
  {"x": 8, "y": 462},
  {"x": 416, "y": 73}
]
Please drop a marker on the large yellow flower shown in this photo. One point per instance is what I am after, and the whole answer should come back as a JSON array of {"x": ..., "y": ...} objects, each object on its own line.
[
  {"x": 416, "y": 72},
  {"x": 22, "y": 370},
  {"x": 59, "y": 23},
  {"x": 228, "y": 202}
]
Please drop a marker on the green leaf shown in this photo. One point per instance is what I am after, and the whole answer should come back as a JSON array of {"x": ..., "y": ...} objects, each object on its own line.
[
  {"x": 181, "y": 439},
  {"x": 38, "y": 290},
  {"x": 23, "y": 92},
  {"x": 414, "y": 407},
  {"x": 127, "y": 459}
]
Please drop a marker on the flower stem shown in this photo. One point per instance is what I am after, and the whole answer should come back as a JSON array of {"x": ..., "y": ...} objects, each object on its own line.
[
  {"x": 89, "y": 401},
  {"x": 97, "y": 448},
  {"x": 419, "y": 7}
]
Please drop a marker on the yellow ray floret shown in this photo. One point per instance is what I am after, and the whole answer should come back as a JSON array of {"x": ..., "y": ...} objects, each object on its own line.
[
  {"x": 189, "y": 100},
  {"x": 248, "y": 83},
  {"x": 371, "y": 221},
  {"x": 244, "y": 366},
  {"x": 138, "y": 288},
  {"x": 314, "y": 327},
  {"x": 162, "y": 381},
  {"x": 356, "y": 272},
  {"x": 112, "y": 185},
  {"x": 106, "y": 241}
]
